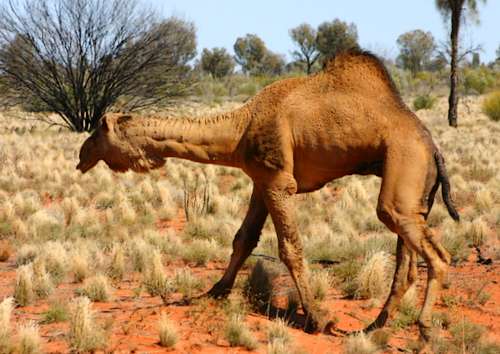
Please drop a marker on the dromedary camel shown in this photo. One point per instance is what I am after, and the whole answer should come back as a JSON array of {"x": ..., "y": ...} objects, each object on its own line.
[{"x": 294, "y": 137}]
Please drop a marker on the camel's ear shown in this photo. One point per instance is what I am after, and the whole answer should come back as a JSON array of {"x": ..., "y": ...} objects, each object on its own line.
[{"x": 107, "y": 123}]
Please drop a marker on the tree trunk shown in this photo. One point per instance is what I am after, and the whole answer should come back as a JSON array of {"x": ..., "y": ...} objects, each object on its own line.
[{"x": 456, "y": 14}]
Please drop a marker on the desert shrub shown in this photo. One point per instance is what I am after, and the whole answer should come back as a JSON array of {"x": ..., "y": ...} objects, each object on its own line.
[
  {"x": 238, "y": 334},
  {"x": 467, "y": 335},
  {"x": 202, "y": 251},
  {"x": 320, "y": 283},
  {"x": 259, "y": 286},
  {"x": 42, "y": 282},
  {"x": 57, "y": 312},
  {"x": 85, "y": 335},
  {"x": 26, "y": 254},
  {"x": 29, "y": 339},
  {"x": 23, "y": 289},
  {"x": 346, "y": 274},
  {"x": 80, "y": 267},
  {"x": 426, "y": 101},
  {"x": 456, "y": 244},
  {"x": 186, "y": 283},
  {"x": 140, "y": 252},
  {"x": 373, "y": 279},
  {"x": 6, "y": 307},
  {"x": 96, "y": 288},
  {"x": 477, "y": 81},
  {"x": 408, "y": 311},
  {"x": 277, "y": 330},
  {"x": 491, "y": 106},
  {"x": 56, "y": 260},
  {"x": 116, "y": 268},
  {"x": 155, "y": 281},
  {"x": 167, "y": 332},
  {"x": 359, "y": 344}
]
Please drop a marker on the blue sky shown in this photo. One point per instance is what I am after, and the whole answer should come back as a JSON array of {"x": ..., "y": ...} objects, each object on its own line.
[{"x": 220, "y": 22}]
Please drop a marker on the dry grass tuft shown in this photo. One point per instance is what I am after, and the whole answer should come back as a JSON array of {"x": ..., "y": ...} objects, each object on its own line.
[
  {"x": 238, "y": 334},
  {"x": 42, "y": 282},
  {"x": 155, "y": 281},
  {"x": 23, "y": 288},
  {"x": 6, "y": 307},
  {"x": 167, "y": 331},
  {"x": 278, "y": 331},
  {"x": 259, "y": 286},
  {"x": 85, "y": 335},
  {"x": 186, "y": 283},
  {"x": 359, "y": 344},
  {"x": 373, "y": 280},
  {"x": 116, "y": 268},
  {"x": 29, "y": 339},
  {"x": 97, "y": 288}
]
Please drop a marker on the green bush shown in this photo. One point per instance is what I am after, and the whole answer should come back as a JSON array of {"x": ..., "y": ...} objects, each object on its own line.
[
  {"x": 491, "y": 106},
  {"x": 478, "y": 81},
  {"x": 424, "y": 102}
]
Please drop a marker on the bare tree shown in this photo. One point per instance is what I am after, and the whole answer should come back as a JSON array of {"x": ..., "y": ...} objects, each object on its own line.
[
  {"x": 79, "y": 57},
  {"x": 455, "y": 10}
]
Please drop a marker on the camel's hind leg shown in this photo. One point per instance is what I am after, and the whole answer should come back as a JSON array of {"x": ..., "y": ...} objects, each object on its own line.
[
  {"x": 404, "y": 277},
  {"x": 245, "y": 241},
  {"x": 402, "y": 209}
]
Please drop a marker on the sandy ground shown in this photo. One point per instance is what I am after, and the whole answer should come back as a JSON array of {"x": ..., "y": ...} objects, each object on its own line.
[{"x": 131, "y": 320}]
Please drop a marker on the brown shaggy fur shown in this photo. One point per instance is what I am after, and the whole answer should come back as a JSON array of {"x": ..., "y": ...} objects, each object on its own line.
[{"x": 293, "y": 137}]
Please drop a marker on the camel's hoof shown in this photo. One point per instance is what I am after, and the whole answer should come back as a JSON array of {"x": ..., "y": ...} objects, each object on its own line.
[
  {"x": 425, "y": 332},
  {"x": 218, "y": 292},
  {"x": 378, "y": 323},
  {"x": 312, "y": 325},
  {"x": 332, "y": 330}
]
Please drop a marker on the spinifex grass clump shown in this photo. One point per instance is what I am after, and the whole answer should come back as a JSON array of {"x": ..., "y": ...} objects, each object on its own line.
[
  {"x": 278, "y": 331},
  {"x": 97, "y": 288},
  {"x": 167, "y": 332},
  {"x": 373, "y": 280},
  {"x": 57, "y": 312},
  {"x": 29, "y": 339},
  {"x": 238, "y": 334},
  {"x": 359, "y": 344},
  {"x": 85, "y": 335},
  {"x": 42, "y": 282},
  {"x": 80, "y": 267},
  {"x": 116, "y": 268},
  {"x": 155, "y": 280},
  {"x": 259, "y": 287},
  {"x": 186, "y": 283},
  {"x": 6, "y": 307},
  {"x": 23, "y": 288}
]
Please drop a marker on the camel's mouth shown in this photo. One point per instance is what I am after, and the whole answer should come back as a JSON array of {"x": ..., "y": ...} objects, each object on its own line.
[{"x": 85, "y": 166}]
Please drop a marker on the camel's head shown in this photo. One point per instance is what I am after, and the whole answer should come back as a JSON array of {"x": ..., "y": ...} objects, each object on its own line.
[{"x": 104, "y": 145}]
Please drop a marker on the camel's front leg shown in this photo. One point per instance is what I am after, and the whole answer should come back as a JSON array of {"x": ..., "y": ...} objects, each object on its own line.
[
  {"x": 245, "y": 241},
  {"x": 404, "y": 277},
  {"x": 279, "y": 201}
]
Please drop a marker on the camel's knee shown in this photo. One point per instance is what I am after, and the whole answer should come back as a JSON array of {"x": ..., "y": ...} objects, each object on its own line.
[{"x": 386, "y": 214}]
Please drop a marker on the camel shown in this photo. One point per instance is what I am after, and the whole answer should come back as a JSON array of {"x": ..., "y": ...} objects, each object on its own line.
[{"x": 293, "y": 137}]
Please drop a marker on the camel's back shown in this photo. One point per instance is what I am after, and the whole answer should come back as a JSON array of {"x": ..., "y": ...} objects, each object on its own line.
[
  {"x": 351, "y": 104},
  {"x": 336, "y": 122}
]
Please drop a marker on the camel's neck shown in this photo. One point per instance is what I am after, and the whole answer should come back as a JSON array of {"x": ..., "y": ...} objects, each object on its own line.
[{"x": 213, "y": 139}]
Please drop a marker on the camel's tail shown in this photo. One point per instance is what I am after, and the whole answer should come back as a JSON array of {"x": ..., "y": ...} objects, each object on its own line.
[{"x": 445, "y": 186}]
